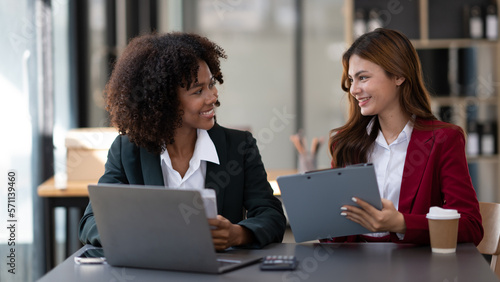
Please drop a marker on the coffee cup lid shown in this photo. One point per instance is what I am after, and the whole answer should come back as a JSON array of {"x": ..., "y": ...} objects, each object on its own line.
[{"x": 440, "y": 213}]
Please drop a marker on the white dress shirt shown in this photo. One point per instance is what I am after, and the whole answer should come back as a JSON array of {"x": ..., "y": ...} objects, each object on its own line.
[
  {"x": 204, "y": 150},
  {"x": 389, "y": 161}
]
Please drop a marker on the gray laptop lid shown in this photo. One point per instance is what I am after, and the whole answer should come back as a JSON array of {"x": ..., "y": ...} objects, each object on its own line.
[
  {"x": 154, "y": 227},
  {"x": 312, "y": 200}
]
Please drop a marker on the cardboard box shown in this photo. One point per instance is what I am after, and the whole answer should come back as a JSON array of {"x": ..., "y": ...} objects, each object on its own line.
[{"x": 87, "y": 152}]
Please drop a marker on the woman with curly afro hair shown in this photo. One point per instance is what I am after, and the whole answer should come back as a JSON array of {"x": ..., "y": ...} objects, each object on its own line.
[{"x": 162, "y": 97}]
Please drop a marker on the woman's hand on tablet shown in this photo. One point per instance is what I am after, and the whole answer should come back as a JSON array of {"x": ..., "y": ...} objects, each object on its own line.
[{"x": 389, "y": 219}]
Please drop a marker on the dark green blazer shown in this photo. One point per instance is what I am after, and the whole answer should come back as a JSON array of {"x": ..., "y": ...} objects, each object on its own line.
[{"x": 244, "y": 195}]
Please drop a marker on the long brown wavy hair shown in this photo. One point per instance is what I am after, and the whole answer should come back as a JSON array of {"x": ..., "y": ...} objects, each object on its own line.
[
  {"x": 142, "y": 92},
  {"x": 393, "y": 52}
]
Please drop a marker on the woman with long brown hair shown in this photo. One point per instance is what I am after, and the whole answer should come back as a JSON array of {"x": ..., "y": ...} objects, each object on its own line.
[{"x": 419, "y": 161}]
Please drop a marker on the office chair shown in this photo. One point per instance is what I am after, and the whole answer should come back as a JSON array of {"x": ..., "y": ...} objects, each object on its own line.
[{"x": 490, "y": 212}]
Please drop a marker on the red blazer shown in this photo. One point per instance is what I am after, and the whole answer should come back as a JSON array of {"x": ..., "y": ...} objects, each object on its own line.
[{"x": 435, "y": 174}]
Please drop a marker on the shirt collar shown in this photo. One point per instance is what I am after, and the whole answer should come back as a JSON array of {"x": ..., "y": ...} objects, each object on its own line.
[
  {"x": 407, "y": 130},
  {"x": 204, "y": 150}
]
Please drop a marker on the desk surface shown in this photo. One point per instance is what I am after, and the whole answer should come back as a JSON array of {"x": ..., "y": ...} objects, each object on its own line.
[
  {"x": 79, "y": 188},
  {"x": 317, "y": 262},
  {"x": 71, "y": 189}
]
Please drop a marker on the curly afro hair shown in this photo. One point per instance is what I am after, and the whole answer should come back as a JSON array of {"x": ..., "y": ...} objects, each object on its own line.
[{"x": 142, "y": 92}]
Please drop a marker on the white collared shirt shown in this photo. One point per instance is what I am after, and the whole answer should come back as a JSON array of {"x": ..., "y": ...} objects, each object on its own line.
[
  {"x": 389, "y": 161},
  {"x": 204, "y": 150}
]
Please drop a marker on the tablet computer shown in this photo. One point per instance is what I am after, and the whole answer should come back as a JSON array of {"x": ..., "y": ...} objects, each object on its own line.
[{"x": 312, "y": 200}]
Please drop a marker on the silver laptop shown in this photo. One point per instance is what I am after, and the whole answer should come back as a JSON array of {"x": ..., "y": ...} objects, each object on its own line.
[
  {"x": 154, "y": 227},
  {"x": 312, "y": 200}
]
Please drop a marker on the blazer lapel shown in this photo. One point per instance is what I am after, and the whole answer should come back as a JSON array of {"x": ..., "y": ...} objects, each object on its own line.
[
  {"x": 216, "y": 177},
  {"x": 151, "y": 168},
  {"x": 417, "y": 156}
]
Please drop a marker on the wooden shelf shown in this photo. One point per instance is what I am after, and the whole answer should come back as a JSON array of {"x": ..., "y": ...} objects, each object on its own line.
[
  {"x": 419, "y": 21},
  {"x": 451, "y": 43},
  {"x": 453, "y": 100}
]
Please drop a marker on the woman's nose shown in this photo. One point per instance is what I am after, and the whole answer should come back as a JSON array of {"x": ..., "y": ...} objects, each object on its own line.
[
  {"x": 214, "y": 94},
  {"x": 354, "y": 88}
]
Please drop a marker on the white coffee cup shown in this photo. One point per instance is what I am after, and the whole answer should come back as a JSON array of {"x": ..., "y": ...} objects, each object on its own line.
[{"x": 443, "y": 229}]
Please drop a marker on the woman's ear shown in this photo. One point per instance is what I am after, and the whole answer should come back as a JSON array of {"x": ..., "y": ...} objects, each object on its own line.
[{"x": 399, "y": 80}]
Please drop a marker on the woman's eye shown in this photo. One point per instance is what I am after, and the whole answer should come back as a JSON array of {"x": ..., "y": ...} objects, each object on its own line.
[
  {"x": 362, "y": 78},
  {"x": 212, "y": 83}
]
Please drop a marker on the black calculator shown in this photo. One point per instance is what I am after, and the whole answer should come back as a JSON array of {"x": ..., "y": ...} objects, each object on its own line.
[{"x": 279, "y": 263}]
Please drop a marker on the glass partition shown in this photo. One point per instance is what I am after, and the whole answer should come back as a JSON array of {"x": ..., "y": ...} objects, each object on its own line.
[{"x": 259, "y": 91}]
